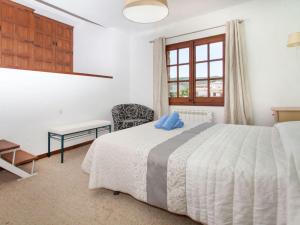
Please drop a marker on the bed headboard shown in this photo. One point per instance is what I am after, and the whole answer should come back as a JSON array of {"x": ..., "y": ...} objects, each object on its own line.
[{"x": 193, "y": 115}]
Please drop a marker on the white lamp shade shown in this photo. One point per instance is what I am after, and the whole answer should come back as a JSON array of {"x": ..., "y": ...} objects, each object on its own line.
[
  {"x": 145, "y": 11},
  {"x": 294, "y": 40}
]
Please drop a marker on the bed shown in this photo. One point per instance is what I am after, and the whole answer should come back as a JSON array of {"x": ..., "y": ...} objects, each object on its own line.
[{"x": 213, "y": 173}]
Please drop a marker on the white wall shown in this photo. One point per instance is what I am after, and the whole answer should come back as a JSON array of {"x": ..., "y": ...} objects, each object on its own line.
[
  {"x": 32, "y": 102},
  {"x": 274, "y": 69}
]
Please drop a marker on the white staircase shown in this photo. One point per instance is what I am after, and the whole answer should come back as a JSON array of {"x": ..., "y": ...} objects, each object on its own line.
[{"x": 11, "y": 156}]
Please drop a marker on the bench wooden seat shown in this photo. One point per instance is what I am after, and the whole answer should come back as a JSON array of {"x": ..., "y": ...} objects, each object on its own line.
[
  {"x": 79, "y": 127},
  {"x": 72, "y": 131}
]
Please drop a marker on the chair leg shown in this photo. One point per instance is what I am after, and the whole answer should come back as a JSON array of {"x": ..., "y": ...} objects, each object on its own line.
[{"x": 62, "y": 148}]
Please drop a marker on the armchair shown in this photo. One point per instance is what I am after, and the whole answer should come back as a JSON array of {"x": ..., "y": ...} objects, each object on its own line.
[{"x": 130, "y": 115}]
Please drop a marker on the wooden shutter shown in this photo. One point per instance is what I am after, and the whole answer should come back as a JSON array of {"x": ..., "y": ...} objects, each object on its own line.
[
  {"x": 7, "y": 35},
  {"x": 31, "y": 41},
  {"x": 63, "y": 48},
  {"x": 44, "y": 49},
  {"x": 16, "y": 35}
]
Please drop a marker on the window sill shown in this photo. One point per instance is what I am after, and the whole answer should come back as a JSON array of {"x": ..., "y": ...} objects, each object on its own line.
[
  {"x": 65, "y": 73},
  {"x": 197, "y": 104}
]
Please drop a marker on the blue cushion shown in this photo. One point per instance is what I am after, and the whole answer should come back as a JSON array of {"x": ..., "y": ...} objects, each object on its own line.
[
  {"x": 169, "y": 124},
  {"x": 179, "y": 124},
  {"x": 161, "y": 121}
]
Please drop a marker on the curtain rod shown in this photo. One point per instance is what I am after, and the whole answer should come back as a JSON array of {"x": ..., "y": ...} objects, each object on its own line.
[
  {"x": 69, "y": 13},
  {"x": 196, "y": 31}
]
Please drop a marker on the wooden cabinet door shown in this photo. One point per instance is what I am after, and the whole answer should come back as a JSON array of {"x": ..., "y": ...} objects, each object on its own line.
[
  {"x": 63, "y": 48},
  {"x": 16, "y": 35},
  {"x": 44, "y": 44},
  {"x": 7, "y": 34},
  {"x": 31, "y": 41}
]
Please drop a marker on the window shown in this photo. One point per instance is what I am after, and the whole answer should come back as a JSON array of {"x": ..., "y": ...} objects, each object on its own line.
[{"x": 196, "y": 72}]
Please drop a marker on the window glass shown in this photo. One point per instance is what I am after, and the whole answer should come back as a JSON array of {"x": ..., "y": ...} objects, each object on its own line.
[
  {"x": 202, "y": 88},
  {"x": 216, "y": 68},
  {"x": 172, "y": 57},
  {"x": 216, "y": 50},
  {"x": 216, "y": 88},
  {"x": 173, "y": 90},
  {"x": 201, "y": 53},
  {"x": 184, "y": 55},
  {"x": 184, "y": 72},
  {"x": 184, "y": 89},
  {"x": 201, "y": 70},
  {"x": 172, "y": 73}
]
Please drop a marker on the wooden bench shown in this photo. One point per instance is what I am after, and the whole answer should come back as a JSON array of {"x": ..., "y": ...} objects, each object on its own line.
[{"x": 73, "y": 131}]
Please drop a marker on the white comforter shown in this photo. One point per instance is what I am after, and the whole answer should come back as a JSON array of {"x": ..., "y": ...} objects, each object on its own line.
[
  {"x": 118, "y": 161},
  {"x": 227, "y": 174}
]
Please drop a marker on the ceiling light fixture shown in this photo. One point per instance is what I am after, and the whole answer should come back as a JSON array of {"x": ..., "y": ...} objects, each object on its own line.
[{"x": 146, "y": 11}]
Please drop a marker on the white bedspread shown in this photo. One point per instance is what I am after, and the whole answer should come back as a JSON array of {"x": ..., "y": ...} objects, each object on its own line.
[
  {"x": 118, "y": 161},
  {"x": 227, "y": 174},
  {"x": 238, "y": 176}
]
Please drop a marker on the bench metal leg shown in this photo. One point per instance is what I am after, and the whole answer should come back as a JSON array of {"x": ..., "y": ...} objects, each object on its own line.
[
  {"x": 64, "y": 137},
  {"x": 62, "y": 148},
  {"x": 49, "y": 144}
]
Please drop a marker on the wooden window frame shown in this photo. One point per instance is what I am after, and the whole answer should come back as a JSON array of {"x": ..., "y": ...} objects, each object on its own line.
[{"x": 192, "y": 99}]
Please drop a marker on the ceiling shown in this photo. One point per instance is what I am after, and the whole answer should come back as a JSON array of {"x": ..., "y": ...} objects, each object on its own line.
[{"x": 109, "y": 12}]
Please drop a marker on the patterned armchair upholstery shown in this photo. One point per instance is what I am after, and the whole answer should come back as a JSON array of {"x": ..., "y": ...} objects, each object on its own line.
[{"x": 130, "y": 115}]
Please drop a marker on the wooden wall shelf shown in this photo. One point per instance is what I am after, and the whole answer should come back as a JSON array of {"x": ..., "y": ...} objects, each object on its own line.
[
  {"x": 92, "y": 75},
  {"x": 71, "y": 73}
]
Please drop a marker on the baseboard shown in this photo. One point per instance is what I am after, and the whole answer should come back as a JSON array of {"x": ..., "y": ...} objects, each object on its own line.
[
  {"x": 54, "y": 152},
  {"x": 42, "y": 156}
]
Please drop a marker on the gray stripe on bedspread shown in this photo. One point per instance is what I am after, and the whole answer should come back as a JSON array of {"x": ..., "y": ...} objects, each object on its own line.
[{"x": 157, "y": 165}]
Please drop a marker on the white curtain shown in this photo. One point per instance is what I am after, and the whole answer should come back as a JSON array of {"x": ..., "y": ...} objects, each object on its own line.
[
  {"x": 238, "y": 108},
  {"x": 160, "y": 78}
]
